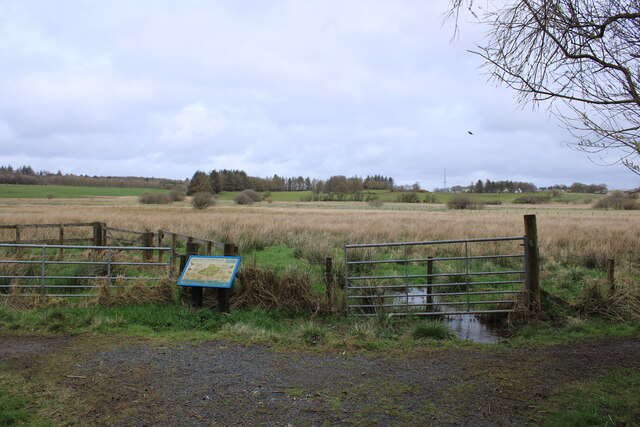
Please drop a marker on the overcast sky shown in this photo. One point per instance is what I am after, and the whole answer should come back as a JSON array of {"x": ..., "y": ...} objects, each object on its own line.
[{"x": 310, "y": 88}]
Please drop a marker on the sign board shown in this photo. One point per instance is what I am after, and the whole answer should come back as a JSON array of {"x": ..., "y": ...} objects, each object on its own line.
[{"x": 209, "y": 271}]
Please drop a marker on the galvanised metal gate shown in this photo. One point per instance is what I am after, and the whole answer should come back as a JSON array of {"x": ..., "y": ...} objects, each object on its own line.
[
  {"x": 471, "y": 276},
  {"x": 71, "y": 271}
]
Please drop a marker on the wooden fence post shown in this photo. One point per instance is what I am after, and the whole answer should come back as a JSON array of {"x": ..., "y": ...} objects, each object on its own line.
[
  {"x": 18, "y": 250},
  {"x": 147, "y": 241},
  {"x": 173, "y": 244},
  {"x": 429, "y": 283},
  {"x": 328, "y": 276},
  {"x": 611, "y": 267},
  {"x": 532, "y": 263},
  {"x": 160, "y": 236},
  {"x": 196, "y": 291},
  {"x": 98, "y": 235},
  {"x": 61, "y": 240}
]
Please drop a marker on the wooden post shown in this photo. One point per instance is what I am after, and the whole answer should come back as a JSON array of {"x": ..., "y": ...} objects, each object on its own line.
[
  {"x": 98, "y": 236},
  {"x": 611, "y": 267},
  {"x": 224, "y": 293},
  {"x": 160, "y": 236},
  {"x": 196, "y": 291},
  {"x": 532, "y": 263},
  {"x": 147, "y": 241},
  {"x": 18, "y": 250},
  {"x": 429, "y": 283},
  {"x": 173, "y": 245},
  {"x": 328, "y": 277},
  {"x": 61, "y": 240}
]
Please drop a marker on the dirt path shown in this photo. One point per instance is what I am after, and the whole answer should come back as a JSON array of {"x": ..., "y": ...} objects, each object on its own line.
[{"x": 134, "y": 381}]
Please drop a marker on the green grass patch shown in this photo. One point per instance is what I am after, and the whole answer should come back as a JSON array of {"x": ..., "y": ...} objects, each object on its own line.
[
  {"x": 65, "y": 191},
  {"x": 432, "y": 329},
  {"x": 147, "y": 319},
  {"x": 571, "y": 329},
  {"x": 13, "y": 408},
  {"x": 285, "y": 327},
  {"x": 611, "y": 399},
  {"x": 291, "y": 329},
  {"x": 276, "y": 257}
]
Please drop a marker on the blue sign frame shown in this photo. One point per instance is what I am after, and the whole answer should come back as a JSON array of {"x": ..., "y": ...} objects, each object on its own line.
[{"x": 199, "y": 266}]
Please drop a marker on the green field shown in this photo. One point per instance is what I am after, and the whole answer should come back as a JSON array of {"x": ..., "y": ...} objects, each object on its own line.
[
  {"x": 441, "y": 198},
  {"x": 63, "y": 191}
]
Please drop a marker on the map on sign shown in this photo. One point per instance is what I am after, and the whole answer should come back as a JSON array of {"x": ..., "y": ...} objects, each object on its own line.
[{"x": 209, "y": 271}]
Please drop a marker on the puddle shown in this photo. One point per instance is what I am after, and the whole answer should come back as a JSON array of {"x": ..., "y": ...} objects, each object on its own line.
[
  {"x": 465, "y": 326},
  {"x": 468, "y": 327}
]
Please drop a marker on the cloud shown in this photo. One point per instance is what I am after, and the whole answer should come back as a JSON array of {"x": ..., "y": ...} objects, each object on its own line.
[{"x": 311, "y": 88}]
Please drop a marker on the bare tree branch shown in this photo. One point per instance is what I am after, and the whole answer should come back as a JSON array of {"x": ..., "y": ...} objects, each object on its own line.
[{"x": 583, "y": 53}]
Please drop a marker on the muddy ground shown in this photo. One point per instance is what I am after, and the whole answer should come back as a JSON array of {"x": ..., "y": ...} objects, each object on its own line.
[{"x": 115, "y": 380}]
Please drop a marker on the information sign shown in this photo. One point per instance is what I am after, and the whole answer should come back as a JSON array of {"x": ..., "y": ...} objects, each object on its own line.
[{"x": 209, "y": 271}]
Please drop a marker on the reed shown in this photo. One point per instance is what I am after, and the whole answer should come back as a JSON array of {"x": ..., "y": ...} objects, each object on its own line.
[{"x": 562, "y": 233}]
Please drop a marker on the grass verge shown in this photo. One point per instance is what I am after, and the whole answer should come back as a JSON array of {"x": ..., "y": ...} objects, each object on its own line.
[{"x": 609, "y": 400}]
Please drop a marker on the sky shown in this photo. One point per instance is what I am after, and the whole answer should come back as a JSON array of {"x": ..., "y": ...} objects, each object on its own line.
[{"x": 310, "y": 88}]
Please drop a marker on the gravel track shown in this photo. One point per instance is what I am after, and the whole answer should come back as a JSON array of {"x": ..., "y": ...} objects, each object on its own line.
[{"x": 140, "y": 382}]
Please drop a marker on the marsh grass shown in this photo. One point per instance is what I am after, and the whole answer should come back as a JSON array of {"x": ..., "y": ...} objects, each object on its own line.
[
  {"x": 431, "y": 329},
  {"x": 290, "y": 289},
  {"x": 562, "y": 233},
  {"x": 621, "y": 305},
  {"x": 570, "y": 237}
]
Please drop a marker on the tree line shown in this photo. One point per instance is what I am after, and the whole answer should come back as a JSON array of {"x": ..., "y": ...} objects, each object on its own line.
[
  {"x": 578, "y": 187},
  {"x": 488, "y": 186},
  {"x": 25, "y": 175},
  {"x": 217, "y": 181}
]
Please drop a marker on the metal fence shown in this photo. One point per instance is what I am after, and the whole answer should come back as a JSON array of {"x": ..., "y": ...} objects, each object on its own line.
[
  {"x": 46, "y": 270},
  {"x": 471, "y": 276}
]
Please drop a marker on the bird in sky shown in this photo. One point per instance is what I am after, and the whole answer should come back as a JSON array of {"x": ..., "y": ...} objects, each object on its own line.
[{"x": 469, "y": 132}]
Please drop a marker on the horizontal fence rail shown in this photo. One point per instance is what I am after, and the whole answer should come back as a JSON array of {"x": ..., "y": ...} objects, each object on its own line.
[
  {"x": 47, "y": 259},
  {"x": 47, "y": 233},
  {"x": 388, "y": 278},
  {"x": 45, "y": 269},
  {"x": 208, "y": 244}
]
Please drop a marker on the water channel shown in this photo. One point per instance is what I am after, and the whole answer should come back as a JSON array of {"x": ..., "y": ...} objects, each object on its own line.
[{"x": 465, "y": 326}]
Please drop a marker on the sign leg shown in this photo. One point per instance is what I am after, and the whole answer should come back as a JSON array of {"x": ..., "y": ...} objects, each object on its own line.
[{"x": 223, "y": 300}]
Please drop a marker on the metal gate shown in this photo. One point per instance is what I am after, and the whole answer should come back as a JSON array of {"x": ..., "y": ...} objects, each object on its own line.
[
  {"x": 471, "y": 276},
  {"x": 73, "y": 271}
]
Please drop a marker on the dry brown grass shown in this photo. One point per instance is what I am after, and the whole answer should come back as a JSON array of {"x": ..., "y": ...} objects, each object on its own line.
[
  {"x": 621, "y": 305},
  {"x": 139, "y": 292},
  {"x": 562, "y": 233},
  {"x": 285, "y": 290}
]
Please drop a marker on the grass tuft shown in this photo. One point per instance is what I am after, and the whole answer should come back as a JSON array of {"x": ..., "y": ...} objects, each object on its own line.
[
  {"x": 312, "y": 334},
  {"x": 622, "y": 305},
  {"x": 432, "y": 329}
]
